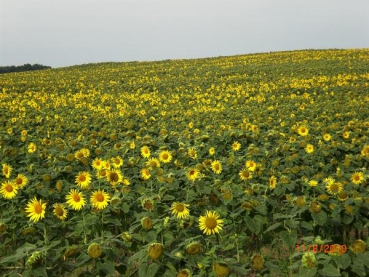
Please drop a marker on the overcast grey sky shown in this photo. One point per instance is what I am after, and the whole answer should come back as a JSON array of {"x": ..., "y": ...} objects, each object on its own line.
[{"x": 63, "y": 33}]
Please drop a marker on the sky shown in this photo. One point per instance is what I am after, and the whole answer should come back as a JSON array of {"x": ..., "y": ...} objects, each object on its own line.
[{"x": 64, "y": 33}]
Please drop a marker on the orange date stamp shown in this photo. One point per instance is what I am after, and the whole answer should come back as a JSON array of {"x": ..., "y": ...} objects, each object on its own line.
[{"x": 322, "y": 248}]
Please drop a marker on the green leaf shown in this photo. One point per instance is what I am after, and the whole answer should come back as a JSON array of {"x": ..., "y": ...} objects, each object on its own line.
[
  {"x": 274, "y": 226},
  {"x": 330, "y": 270},
  {"x": 307, "y": 272},
  {"x": 343, "y": 261},
  {"x": 107, "y": 267},
  {"x": 152, "y": 269},
  {"x": 320, "y": 218},
  {"x": 289, "y": 238},
  {"x": 261, "y": 209}
]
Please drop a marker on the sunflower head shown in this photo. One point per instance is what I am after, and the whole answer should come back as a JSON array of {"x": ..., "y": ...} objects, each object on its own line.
[
  {"x": 146, "y": 223},
  {"x": 308, "y": 260},
  {"x": 220, "y": 269},
  {"x": 155, "y": 250},
  {"x": 210, "y": 223},
  {"x": 35, "y": 260},
  {"x": 184, "y": 273},
  {"x": 148, "y": 204},
  {"x": 358, "y": 246},
  {"x": 257, "y": 262},
  {"x": 94, "y": 250},
  {"x": 193, "y": 248},
  {"x": 180, "y": 209}
]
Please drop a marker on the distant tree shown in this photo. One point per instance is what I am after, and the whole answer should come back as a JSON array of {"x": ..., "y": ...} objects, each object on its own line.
[{"x": 21, "y": 68}]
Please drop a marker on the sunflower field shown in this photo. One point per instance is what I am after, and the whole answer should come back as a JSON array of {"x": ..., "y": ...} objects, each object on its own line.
[{"x": 250, "y": 165}]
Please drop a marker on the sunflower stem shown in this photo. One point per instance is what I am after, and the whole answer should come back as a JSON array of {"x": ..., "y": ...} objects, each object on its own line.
[
  {"x": 84, "y": 227},
  {"x": 45, "y": 236}
]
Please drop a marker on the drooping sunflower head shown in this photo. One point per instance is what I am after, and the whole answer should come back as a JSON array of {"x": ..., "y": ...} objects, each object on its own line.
[
  {"x": 155, "y": 250},
  {"x": 220, "y": 269},
  {"x": 257, "y": 262},
  {"x": 148, "y": 204},
  {"x": 210, "y": 223},
  {"x": 180, "y": 209}
]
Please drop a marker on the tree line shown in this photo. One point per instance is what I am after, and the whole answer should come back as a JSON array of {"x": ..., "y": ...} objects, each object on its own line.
[{"x": 21, "y": 68}]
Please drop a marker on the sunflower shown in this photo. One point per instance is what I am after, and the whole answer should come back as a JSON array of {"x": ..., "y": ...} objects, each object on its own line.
[
  {"x": 346, "y": 135},
  {"x": 216, "y": 166},
  {"x": 313, "y": 183},
  {"x": 75, "y": 199},
  {"x": 327, "y": 137},
  {"x": 334, "y": 188},
  {"x": 36, "y": 209},
  {"x": 102, "y": 173},
  {"x": 99, "y": 199},
  {"x": 31, "y": 147},
  {"x": 272, "y": 182},
  {"x": 165, "y": 156},
  {"x": 60, "y": 211},
  {"x": 7, "y": 170},
  {"x": 245, "y": 174},
  {"x": 193, "y": 174},
  {"x": 180, "y": 209},
  {"x": 357, "y": 178},
  {"x": 192, "y": 153},
  {"x": 236, "y": 146},
  {"x": 114, "y": 176},
  {"x": 21, "y": 181},
  {"x": 79, "y": 155},
  {"x": 153, "y": 163},
  {"x": 303, "y": 131},
  {"x": 145, "y": 174},
  {"x": 132, "y": 145},
  {"x": 105, "y": 165},
  {"x": 97, "y": 163},
  {"x": 211, "y": 151},
  {"x": 117, "y": 162},
  {"x": 210, "y": 223},
  {"x": 145, "y": 151},
  {"x": 309, "y": 148},
  {"x": 328, "y": 180},
  {"x": 8, "y": 189},
  {"x": 83, "y": 179},
  {"x": 250, "y": 165}
]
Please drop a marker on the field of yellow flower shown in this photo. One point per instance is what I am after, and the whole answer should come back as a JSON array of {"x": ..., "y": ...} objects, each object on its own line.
[{"x": 252, "y": 165}]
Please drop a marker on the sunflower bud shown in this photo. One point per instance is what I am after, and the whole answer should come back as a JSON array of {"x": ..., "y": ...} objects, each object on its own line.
[
  {"x": 35, "y": 260},
  {"x": 94, "y": 250},
  {"x": 155, "y": 250},
  {"x": 358, "y": 246},
  {"x": 220, "y": 269},
  {"x": 184, "y": 273},
  {"x": 2, "y": 227},
  {"x": 193, "y": 248},
  {"x": 126, "y": 237},
  {"x": 308, "y": 260},
  {"x": 257, "y": 262},
  {"x": 146, "y": 223}
]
